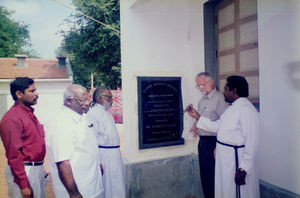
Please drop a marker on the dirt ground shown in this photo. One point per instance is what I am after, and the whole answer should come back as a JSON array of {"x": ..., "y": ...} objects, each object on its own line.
[
  {"x": 3, "y": 185},
  {"x": 3, "y": 162}
]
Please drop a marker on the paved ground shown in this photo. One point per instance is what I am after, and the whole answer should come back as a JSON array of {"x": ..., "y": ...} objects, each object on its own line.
[{"x": 49, "y": 191}]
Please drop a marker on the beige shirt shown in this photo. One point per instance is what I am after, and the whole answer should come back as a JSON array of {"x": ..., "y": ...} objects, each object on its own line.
[{"x": 211, "y": 106}]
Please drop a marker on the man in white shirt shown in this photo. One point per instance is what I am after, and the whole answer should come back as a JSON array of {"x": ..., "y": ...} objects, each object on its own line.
[
  {"x": 73, "y": 152},
  {"x": 237, "y": 142},
  {"x": 108, "y": 143}
]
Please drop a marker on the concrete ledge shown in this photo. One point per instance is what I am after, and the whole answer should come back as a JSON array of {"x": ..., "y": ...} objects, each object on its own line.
[
  {"x": 268, "y": 190},
  {"x": 166, "y": 178},
  {"x": 178, "y": 177}
]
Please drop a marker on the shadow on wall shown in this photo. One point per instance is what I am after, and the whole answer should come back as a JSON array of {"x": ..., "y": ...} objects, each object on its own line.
[
  {"x": 294, "y": 74},
  {"x": 293, "y": 136}
]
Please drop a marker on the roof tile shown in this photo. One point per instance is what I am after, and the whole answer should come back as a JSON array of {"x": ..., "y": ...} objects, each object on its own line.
[{"x": 37, "y": 68}]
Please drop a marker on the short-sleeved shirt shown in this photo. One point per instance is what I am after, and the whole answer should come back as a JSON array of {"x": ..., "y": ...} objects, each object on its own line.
[
  {"x": 70, "y": 138},
  {"x": 23, "y": 139}
]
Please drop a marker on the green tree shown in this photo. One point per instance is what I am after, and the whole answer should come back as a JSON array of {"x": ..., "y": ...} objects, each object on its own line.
[
  {"x": 13, "y": 36},
  {"x": 92, "y": 47}
]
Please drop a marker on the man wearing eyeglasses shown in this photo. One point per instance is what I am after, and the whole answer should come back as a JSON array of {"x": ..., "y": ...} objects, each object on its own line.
[
  {"x": 108, "y": 143},
  {"x": 211, "y": 105},
  {"x": 237, "y": 142},
  {"x": 73, "y": 151}
]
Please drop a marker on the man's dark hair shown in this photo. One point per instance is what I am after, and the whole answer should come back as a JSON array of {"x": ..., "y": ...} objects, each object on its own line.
[
  {"x": 240, "y": 84},
  {"x": 20, "y": 84}
]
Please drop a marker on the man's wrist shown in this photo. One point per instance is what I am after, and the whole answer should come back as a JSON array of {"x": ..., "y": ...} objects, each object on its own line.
[
  {"x": 198, "y": 116},
  {"x": 23, "y": 184}
]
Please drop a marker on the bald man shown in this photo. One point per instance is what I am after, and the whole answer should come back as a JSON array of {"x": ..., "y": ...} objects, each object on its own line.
[{"x": 73, "y": 150}]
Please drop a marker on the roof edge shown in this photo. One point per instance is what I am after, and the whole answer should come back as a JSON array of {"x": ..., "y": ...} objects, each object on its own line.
[{"x": 41, "y": 80}]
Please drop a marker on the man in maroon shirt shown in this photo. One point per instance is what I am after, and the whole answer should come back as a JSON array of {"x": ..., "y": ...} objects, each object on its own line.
[{"x": 23, "y": 139}]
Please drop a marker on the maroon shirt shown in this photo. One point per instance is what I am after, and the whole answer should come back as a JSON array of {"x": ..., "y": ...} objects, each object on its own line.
[{"x": 23, "y": 139}]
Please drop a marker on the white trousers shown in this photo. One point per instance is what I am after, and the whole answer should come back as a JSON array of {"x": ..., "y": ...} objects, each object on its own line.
[{"x": 36, "y": 177}]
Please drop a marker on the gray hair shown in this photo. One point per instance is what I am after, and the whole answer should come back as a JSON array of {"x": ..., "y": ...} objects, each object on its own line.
[
  {"x": 68, "y": 94},
  {"x": 71, "y": 90},
  {"x": 206, "y": 74},
  {"x": 98, "y": 93}
]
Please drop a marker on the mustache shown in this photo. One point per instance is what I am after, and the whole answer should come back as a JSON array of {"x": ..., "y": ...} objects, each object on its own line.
[{"x": 35, "y": 98}]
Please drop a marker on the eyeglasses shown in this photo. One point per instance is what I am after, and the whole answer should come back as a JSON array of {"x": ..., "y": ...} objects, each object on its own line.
[
  {"x": 109, "y": 96},
  {"x": 81, "y": 100},
  {"x": 202, "y": 85}
]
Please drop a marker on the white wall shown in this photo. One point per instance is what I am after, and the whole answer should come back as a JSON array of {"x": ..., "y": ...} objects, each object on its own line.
[
  {"x": 279, "y": 60},
  {"x": 4, "y": 97},
  {"x": 3, "y": 104},
  {"x": 165, "y": 38},
  {"x": 50, "y": 98},
  {"x": 159, "y": 38}
]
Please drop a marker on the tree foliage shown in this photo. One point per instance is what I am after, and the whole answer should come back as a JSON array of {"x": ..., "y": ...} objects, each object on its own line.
[
  {"x": 92, "y": 47},
  {"x": 13, "y": 36}
]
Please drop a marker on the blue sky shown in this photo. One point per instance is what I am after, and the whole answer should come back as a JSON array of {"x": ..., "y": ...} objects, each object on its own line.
[{"x": 45, "y": 18}]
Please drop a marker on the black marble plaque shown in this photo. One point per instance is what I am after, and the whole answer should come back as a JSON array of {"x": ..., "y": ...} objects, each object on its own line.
[{"x": 160, "y": 111}]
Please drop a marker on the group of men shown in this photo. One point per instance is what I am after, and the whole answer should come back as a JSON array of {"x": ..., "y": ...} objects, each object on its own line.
[
  {"x": 83, "y": 147},
  {"x": 229, "y": 136}
]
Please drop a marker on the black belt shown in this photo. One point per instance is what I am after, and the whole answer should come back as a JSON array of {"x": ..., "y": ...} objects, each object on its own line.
[
  {"x": 33, "y": 163},
  {"x": 208, "y": 136},
  {"x": 236, "y": 161},
  {"x": 108, "y": 147}
]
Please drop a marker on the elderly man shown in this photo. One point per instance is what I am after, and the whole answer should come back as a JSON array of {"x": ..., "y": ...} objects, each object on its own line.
[
  {"x": 237, "y": 142},
  {"x": 211, "y": 106},
  {"x": 23, "y": 139},
  {"x": 73, "y": 151},
  {"x": 108, "y": 143}
]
